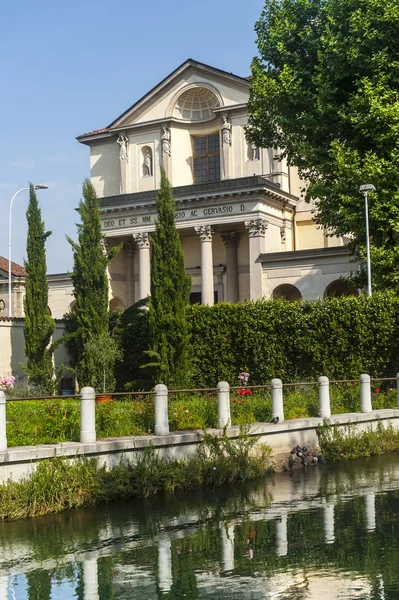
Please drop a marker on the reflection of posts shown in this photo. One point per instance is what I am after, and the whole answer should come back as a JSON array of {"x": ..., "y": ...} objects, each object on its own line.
[
  {"x": 369, "y": 509},
  {"x": 165, "y": 578},
  {"x": 90, "y": 579},
  {"x": 227, "y": 543},
  {"x": 281, "y": 536},
  {"x": 328, "y": 523},
  {"x": 4, "y": 586}
]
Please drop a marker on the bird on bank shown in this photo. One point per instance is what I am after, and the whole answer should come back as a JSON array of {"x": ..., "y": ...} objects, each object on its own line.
[
  {"x": 291, "y": 461},
  {"x": 275, "y": 420}
]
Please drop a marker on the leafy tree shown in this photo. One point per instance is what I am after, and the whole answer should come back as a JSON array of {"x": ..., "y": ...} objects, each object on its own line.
[
  {"x": 325, "y": 90},
  {"x": 170, "y": 292},
  {"x": 90, "y": 285},
  {"x": 39, "y": 326},
  {"x": 105, "y": 351}
]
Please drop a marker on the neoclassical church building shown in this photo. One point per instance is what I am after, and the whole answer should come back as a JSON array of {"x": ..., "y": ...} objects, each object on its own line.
[{"x": 245, "y": 231}]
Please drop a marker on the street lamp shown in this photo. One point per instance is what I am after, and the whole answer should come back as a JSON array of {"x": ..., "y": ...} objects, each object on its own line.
[
  {"x": 40, "y": 186},
  {"x": 364, "y": 189}
]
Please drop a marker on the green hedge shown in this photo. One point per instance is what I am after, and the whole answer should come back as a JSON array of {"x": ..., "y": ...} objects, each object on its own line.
[{"x": 295, "y": 341}]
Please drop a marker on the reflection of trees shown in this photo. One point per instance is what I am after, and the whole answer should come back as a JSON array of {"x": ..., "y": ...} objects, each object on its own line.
[{"x": 39, "y": 585}]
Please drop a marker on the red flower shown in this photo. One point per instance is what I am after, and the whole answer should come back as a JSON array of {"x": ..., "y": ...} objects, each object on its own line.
[
  {"x": 244, "y": 392},
  {"x": 235, "y": 401},
  {"x": 377, "y": 390}
]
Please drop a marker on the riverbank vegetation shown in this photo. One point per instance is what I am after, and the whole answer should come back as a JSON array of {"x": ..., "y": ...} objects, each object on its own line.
[
  {"x": 349, "y": 442},
  {"x": 59, "y": 484}
]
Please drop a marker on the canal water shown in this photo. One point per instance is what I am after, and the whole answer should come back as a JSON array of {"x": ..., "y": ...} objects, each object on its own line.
[{"x": 328, "y": 531}]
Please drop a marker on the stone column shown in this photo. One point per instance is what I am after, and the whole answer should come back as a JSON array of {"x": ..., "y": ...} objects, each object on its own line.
[
  {"x": 129, "y": 251},
  {"x": 207, "y": 292},
  {"x": 165, "y": 578},
  {"x": 143, "y": 242},
  {"x": 231, "y": 240},
  {"x": 281, "y": 536},
  {"x": 90, "y": 579},
  {"x": 256, "y": 231},
  {"x": 227, "y": 543}
]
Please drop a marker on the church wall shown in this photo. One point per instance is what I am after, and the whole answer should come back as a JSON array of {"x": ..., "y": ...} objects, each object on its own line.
[
  {"x": 309, "y": 235},
  {"x": 105, "y": 168},
  {"x": 273, "y": 239},
  {"x": 181, "y": 162}
]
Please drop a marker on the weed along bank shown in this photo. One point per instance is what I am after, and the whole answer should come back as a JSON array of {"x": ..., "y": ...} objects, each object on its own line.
[{"x": 215, "y": 451}]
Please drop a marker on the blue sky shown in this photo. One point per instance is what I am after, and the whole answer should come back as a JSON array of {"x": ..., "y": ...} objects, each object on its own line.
[{"x": 71, "y": 67}]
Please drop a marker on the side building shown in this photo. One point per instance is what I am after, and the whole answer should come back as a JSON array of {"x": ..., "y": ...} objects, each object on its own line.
[{"x": 245, "y": 230}]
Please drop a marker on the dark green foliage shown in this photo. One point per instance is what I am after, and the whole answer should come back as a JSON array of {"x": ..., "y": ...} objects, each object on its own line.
[
  {"x": 339, "y": 337},
  {"x": 325, "y": 90},
  {"x": 39, "y": 326},
  {"x": 170, "y": 293},
  {"x": 90, "y": 284}
]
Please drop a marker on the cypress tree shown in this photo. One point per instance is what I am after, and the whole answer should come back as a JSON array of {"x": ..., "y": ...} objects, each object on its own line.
[
  {"x": 90, "y": 287},
  {"x": 170, "y": 292},
  {"x": 39, "y": 326}
]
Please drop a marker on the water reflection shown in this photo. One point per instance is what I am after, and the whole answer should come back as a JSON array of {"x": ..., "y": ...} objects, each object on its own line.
[{"x": 325, "y": 532}]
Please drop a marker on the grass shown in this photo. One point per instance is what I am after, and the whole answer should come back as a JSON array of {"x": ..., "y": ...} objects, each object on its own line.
[
  {"x": 45, "y": 422},
  {"x": 349, "y": 442},
  {"x": 58, "y": 484}
]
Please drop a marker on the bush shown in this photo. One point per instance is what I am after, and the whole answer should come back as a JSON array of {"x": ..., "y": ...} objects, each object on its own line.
[{"x": 295, "y": 341}]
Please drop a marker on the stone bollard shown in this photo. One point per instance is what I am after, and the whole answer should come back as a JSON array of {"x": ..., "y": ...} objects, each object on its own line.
[
  {"x": 365, "y": 394},
  {"x": 277, "y": 399},
  {"x": 324, "y": 398},
  {"x": 3, "y": 425},
  {"x": 161, "y": 410},
  {"x": 397, "y": 386},
  {"x": 224, "y": 418},
  {"x": 88, "y": 416}
]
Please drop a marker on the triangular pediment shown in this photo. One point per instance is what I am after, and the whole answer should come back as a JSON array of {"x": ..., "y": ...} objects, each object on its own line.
[{"x": 158, "y": 103}]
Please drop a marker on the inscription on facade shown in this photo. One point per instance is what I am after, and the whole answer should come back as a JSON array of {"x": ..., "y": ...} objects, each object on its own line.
[{"x": 181, "y": 215}]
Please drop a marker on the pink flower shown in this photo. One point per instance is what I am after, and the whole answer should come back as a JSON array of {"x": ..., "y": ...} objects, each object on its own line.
[{"x": 377, "y": 390}]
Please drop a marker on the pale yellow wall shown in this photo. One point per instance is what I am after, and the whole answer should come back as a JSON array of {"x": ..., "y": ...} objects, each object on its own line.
[
  {"x": 309, "y": 236},
  {"x": 104, "y": 168}
]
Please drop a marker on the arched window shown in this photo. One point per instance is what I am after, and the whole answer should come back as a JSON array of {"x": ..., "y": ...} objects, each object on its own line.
[
  {"x": 147, "y": 168},
  {"x": 286, "y": 291},
  {"x": 196, "y": 104},
  {"x": 72, "y": 306},
  {"x": 116, "y": 304},
  {"x": 339, "y": 287}
]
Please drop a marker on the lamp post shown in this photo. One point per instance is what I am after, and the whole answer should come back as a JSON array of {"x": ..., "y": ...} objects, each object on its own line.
[
  {"x": 364, "y": 189},
  {"x": 40, "y": 186}
]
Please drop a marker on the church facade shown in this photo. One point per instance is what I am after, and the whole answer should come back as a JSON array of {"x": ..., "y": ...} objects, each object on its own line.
[{"x": 245, "y": 231}]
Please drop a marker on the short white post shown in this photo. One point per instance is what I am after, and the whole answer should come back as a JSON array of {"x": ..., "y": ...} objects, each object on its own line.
[
  {"x": 324, "y": 398},
  {"x": 165, "y": 578},
  {"x": 277, "y": 399},
  {"x": 281, "y": 536},
  {"x": 369, "y": 505},
  {"x": 88, "y": 416},
  {"x": 224, "y": 417},
  {"x": 161, "y": 410},
  {"x": 365, "y": 394},
  {"x": 397, "y": 386},
  {"x": 227, "y": 543},
  {"x": 3, "y": 426}
]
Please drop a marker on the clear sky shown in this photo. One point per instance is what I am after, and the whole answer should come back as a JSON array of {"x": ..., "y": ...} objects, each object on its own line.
[{"x": 71, "y": 67}]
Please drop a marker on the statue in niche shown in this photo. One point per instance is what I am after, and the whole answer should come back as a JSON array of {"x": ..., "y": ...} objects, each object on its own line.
[
  {"x": 254, "y": 151},
  {"x": 147, "y": 162},
  {"x": 165, "y": 141},
  {"x": 123, "y": 147},
  {"x": 226, "y": 131}
]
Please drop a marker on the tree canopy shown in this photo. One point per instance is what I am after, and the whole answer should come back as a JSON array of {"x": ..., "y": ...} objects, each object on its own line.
[{"x": 325, "y": 94}]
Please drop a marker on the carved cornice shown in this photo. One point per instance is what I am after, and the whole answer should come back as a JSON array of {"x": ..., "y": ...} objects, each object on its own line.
[
  {"x": 205, "y": 232},
  {"x": 256, "y": 227},
  {"x": 230, "y": 239},
  {"x": 142, "y": 239}
]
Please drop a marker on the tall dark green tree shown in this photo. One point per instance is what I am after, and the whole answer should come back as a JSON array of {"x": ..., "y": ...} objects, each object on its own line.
[
  {"x": 325, "y": 90},
  {"x": 39, "y": 325},
  {"x": 90, "y": 288},
  {"x": 170, "y": 293}
]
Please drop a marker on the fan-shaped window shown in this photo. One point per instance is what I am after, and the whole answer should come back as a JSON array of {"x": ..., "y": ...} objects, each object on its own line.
[
  {"x": 339, "y": 287},
  {"x": 286, "y": 291},
  {"x": 196, "y": 104}
]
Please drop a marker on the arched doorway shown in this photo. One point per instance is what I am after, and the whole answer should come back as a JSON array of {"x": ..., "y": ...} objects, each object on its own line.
[
  {"x": 286, "y": 291},
  {"x": 339, "y": 287}
]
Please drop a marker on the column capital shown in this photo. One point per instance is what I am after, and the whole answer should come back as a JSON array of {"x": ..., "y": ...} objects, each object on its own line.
[
  {"x": 142, "y": 239},
  {"x": 256, "y": 227},
  {"x": 205, "y": 232},
  {"x": 230, "y": 239},
  {"x": 129, "y": 249}
]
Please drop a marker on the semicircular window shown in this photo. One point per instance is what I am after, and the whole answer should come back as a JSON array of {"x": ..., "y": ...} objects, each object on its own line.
[{"x": 196, "y": 104}]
